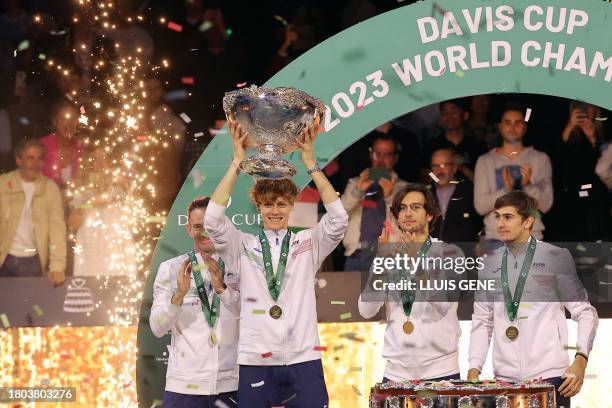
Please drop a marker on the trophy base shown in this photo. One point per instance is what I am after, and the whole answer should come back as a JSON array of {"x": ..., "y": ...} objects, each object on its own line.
[{"x": 260, "y": 168}]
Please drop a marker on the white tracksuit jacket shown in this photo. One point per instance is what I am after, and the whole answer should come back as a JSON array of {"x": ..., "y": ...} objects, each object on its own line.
[
  {"x": 541, "y": 347},
  {"x": 292, "y": 338},
  {"x": 195, "y": 366},
  {"x": 432, "y": 349}
]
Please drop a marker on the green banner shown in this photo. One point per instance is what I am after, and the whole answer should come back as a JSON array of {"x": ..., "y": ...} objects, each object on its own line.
[{"x": 398, "y": 62}]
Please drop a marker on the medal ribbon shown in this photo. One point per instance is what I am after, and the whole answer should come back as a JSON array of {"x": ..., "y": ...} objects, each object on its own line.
[
  {"x": 274, "y": 281},
  {"x": 409, "y": 295},
  {"x": 512, "y": 305},
  {"x": 211, "y": 311}
]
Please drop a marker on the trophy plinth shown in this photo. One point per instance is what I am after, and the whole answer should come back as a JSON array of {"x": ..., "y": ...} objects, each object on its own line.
[{"x": 273, "y": 119}]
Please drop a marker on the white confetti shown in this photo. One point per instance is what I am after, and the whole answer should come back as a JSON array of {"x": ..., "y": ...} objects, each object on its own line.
[
  {"x": 83, "y": 119},
  {"x": 257, "y": 384},
  {"x": 221, "y": 404},
  {"x": 185, "y": 118},
  {"x": 205, "y": 26},
  {"x": 586, "y": 186},
  {"x": 433, "y": 177},
  {"x": 527, "y": 114},
  {"x": 583, "y": 193},
  {"x": 198, "y": 134}
]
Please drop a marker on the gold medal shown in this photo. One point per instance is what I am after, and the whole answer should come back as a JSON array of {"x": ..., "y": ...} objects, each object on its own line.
[
  {"x": 408, "y": 327},
  {"x": 276, "y": 312},
  {"x": 512, "y": 332},
  {"x": 213, "y": 338}
]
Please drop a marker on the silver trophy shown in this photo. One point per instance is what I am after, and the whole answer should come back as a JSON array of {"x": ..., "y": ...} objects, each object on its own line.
[{"x": 273, "y": 119}]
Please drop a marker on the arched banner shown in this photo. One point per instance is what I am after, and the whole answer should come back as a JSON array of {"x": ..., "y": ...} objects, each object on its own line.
[{"x": 396, "y": 63}]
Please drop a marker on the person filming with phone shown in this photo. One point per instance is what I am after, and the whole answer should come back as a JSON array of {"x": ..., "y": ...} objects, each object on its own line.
[{"x": 368, "y": 198}]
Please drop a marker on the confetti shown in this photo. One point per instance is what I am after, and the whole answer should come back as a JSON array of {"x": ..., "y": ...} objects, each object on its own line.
[
  {"x": 64, "y": 356},
  {"x": 320, "y": 348},
  {"x": 187, "y": 80},
  {"x": 259, "y": 311},
  {"x": 59, "y": 32},
  {"x": 175, "y": 27},
  {"x": 83, "y": 119},
  {"x": 42, "y": 56},
  {"x": 289, "y": 399},
  {"x": 156, "y": 219},
  {"x": 433, "y": 177},
  {"x": 221, "y": 404},
  {"x": 442, "y": 70},
  {"x": 157, "y": 403},
  {"x": 193, "y": 386},
  {"x": 460, "y": 73},
  {"x": 581, "y": 248},
  {"x": 198, "y": 134},
  {"x": 5, "y": 321},
  {"x": 205, "y": 26},
  {"x": 24, "y": 45},
  {"x": 337, "y": 302},
  {"x": 185, "y": 117},
  {"x": 356, "y": 390},
  {"x": 250, "y": 299},
  {"x": 214, "y": 132},
  {"x": 586, "y": 186},
  {"x": 176, "y": 95},
  {"x": 281, "y": 19},
  {"x": 321, "y": 283},
  {"x": 240, "y": 85},
  {"x": 583, "y": 193},
  {"x": 37, "y": 310},
  {"x": 267, "y": 355},
  {"x": 466, "y": 215},
  {"x": 527, "y": 114},
  {"x": 345, "y": 316}
]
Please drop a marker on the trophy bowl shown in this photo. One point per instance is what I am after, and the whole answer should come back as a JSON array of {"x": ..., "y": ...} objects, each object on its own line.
[{"x": 273, "y": 119}]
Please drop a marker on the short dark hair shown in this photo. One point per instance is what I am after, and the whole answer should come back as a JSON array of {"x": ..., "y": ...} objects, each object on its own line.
[
  {"x": 524, "y": 204},
  {"x": 431, "y": 204},
  {"x": 268, "y": 190},
  {"x": 27, "y": 143},
  {"x": 511, "y": 106},
  {"x": 198, "y": 202},
  {"x": 462, "y": 103},
  {"x": 386, "y": 138}
]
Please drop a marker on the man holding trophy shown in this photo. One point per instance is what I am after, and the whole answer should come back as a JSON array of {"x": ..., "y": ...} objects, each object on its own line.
[{"x": 278, "y": 350}]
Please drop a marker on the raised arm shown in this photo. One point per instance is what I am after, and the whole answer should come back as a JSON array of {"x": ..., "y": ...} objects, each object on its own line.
[
  {"x": 306, "y": 144},
  {"x": 226, "y": 185}
]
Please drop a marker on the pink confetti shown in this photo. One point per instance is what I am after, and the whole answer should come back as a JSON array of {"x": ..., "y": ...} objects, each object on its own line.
[
  {"x": 320, "y": 348},
  {"x": 240, "y": 85},
  {"x": 82, "y": 110},
  {"x": 266, "y": 355},
  {"x": 187, "y": 80},
  {"x": 175, "y": 27}
]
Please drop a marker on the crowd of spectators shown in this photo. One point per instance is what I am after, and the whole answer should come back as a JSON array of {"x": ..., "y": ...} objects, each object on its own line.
[{"x": 469, "y": 150}]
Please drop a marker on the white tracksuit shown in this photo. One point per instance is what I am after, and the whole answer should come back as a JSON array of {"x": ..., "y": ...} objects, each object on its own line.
[
  {"x": 293, "y": 337},
  {"x": 541, "y": 347},
  {"x": 432, "y": 349},
  {"x": 195, "y": 365}
]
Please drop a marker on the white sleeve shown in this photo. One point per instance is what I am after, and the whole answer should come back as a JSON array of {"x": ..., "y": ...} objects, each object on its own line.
[
  {"x": 328, "y": 233},
  {"x": 231, "y": 300},
  {"x": 368, "y": 309},
  {"x": 163, "y": 312},
  {"x": 351, "y": 198},
  {"x": 485, "y": 193},
  {"x": 542, "y": 188},
  {"x": 224, "y": 235},
  {"x": 482, "y": 329},
  {"x": 575, "y": 299},
  {"x": 604, "y": 167}
]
